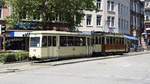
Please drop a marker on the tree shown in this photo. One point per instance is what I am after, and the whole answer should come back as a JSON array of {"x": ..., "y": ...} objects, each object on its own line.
[{"x": 69, "y": 11}]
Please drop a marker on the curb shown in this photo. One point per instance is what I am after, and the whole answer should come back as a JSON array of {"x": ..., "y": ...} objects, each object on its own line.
[{"x": 96, "y": 58}]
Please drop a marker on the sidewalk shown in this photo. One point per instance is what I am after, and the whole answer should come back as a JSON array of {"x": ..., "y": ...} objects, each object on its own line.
[
  {"x": 16, "y": 67},
  {"x": 23, "y": 66}
]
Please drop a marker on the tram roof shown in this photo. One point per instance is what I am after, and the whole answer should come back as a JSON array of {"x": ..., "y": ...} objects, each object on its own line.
[
  {"x": 57, "y": 32},
  {"x": 109, "y": 34}
]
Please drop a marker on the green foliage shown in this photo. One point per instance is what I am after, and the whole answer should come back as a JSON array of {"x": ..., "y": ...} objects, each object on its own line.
[
  {"x": 2, "y": 3},
  {"x": 70, "y": 11},
  {"x": 13, "y": 57}
]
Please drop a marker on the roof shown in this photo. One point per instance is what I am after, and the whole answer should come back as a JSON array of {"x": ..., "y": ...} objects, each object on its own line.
[{"x": 57, "y": 32}]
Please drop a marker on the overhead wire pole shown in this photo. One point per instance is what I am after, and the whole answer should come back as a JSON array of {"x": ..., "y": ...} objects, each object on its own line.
[{"x": 4, "y": 37}]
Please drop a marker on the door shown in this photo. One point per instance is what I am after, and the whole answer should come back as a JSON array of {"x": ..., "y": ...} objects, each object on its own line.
[
  {"x": 89, "y": 48},
  {"x": 51, "y": 46},
  {"x": 45, "y": 48}
]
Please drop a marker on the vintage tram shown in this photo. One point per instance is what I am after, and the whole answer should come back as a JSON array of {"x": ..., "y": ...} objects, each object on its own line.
[
  {"x": 109, "y": 43},
  {"x": 60, "y": 44},
  {"x": 55, "y": 44}
]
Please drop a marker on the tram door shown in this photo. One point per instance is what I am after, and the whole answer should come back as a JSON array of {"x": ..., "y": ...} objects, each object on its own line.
[
  {"x": 44, "y": 51},
  {"x": 51, "y": 46},
  {"x": 89, "y": 46},
  {"x": 103, "y": 43}
]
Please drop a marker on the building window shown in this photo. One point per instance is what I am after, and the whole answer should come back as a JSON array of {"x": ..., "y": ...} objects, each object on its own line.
[
  {"x": 127, "y": 24},
  {"x": 98, "y": 20},
  {"x": 110, "y": 21},
  {"x": 147, "y": 18},
  {"x": 119, "y": 8},
  {"x": 119, "y": 23},
  {"x": 88, "y": 19},
  {"x": 98, "y": 4},
  {"x": 122, "y": 23},
  {"x": 0, "y": 12},
  {"x": 110, "y": 5}
]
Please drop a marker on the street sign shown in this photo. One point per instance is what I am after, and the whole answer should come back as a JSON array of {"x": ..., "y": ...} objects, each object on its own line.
[
  {"x": 19, "y": 34},
  {"x": 2, "y": 29}
]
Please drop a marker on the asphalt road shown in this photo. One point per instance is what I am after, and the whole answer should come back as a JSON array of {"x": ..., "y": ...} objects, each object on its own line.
[{"x": 121, "y": 70}]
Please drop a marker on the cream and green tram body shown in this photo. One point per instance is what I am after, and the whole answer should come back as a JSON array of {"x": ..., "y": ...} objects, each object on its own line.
[{"x": 56, "y": 44}]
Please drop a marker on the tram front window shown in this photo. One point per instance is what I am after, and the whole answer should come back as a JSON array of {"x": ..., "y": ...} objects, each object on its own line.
[{"x": 35, "y": 42}]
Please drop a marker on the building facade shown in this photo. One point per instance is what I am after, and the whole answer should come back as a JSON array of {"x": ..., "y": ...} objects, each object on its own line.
[
  {"x": 147, "y": 23},
  {"x": 115, "y": 16},
  {"x": 4, "y": 12},
  {"x": 136, "y": 17},
  {"x": 111, "y": 16}
]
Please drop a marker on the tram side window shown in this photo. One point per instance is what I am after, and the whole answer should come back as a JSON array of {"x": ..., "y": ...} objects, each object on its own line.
[
  {"x": 107, "y": 40},
  {"x": 82, "y": 41},
  {"x": 119, "y": 40},
  {"x": 100, "y": 40},
  {"x": 110, "y": 40},
  {"x": 49, "y": 41},
  {"x": 70, "y": 41},
  {"x": 122, "y": 41},
  {"x": 103, "y": 40},
  {"x": 96, "y": 40},
  {"x": 88, "y": 41},
  {"x": 93, "y": 41},
  {"x": 63, "y": 41},
  {"x": 54, "y": 40},
  {"x": 77, "y": 41},
  {"x": 35, "y": 42},
  {"x": 114, "y": 40},
  {"x": 44, "y": 41}
]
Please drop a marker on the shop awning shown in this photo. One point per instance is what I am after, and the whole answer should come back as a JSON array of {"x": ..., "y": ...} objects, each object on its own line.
[
  {"x": 130, "y": 37},
  {"x": 147, "y": 28},
  {"x": 145, "y": 33},
  {"x": 85, "y": 33}
]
